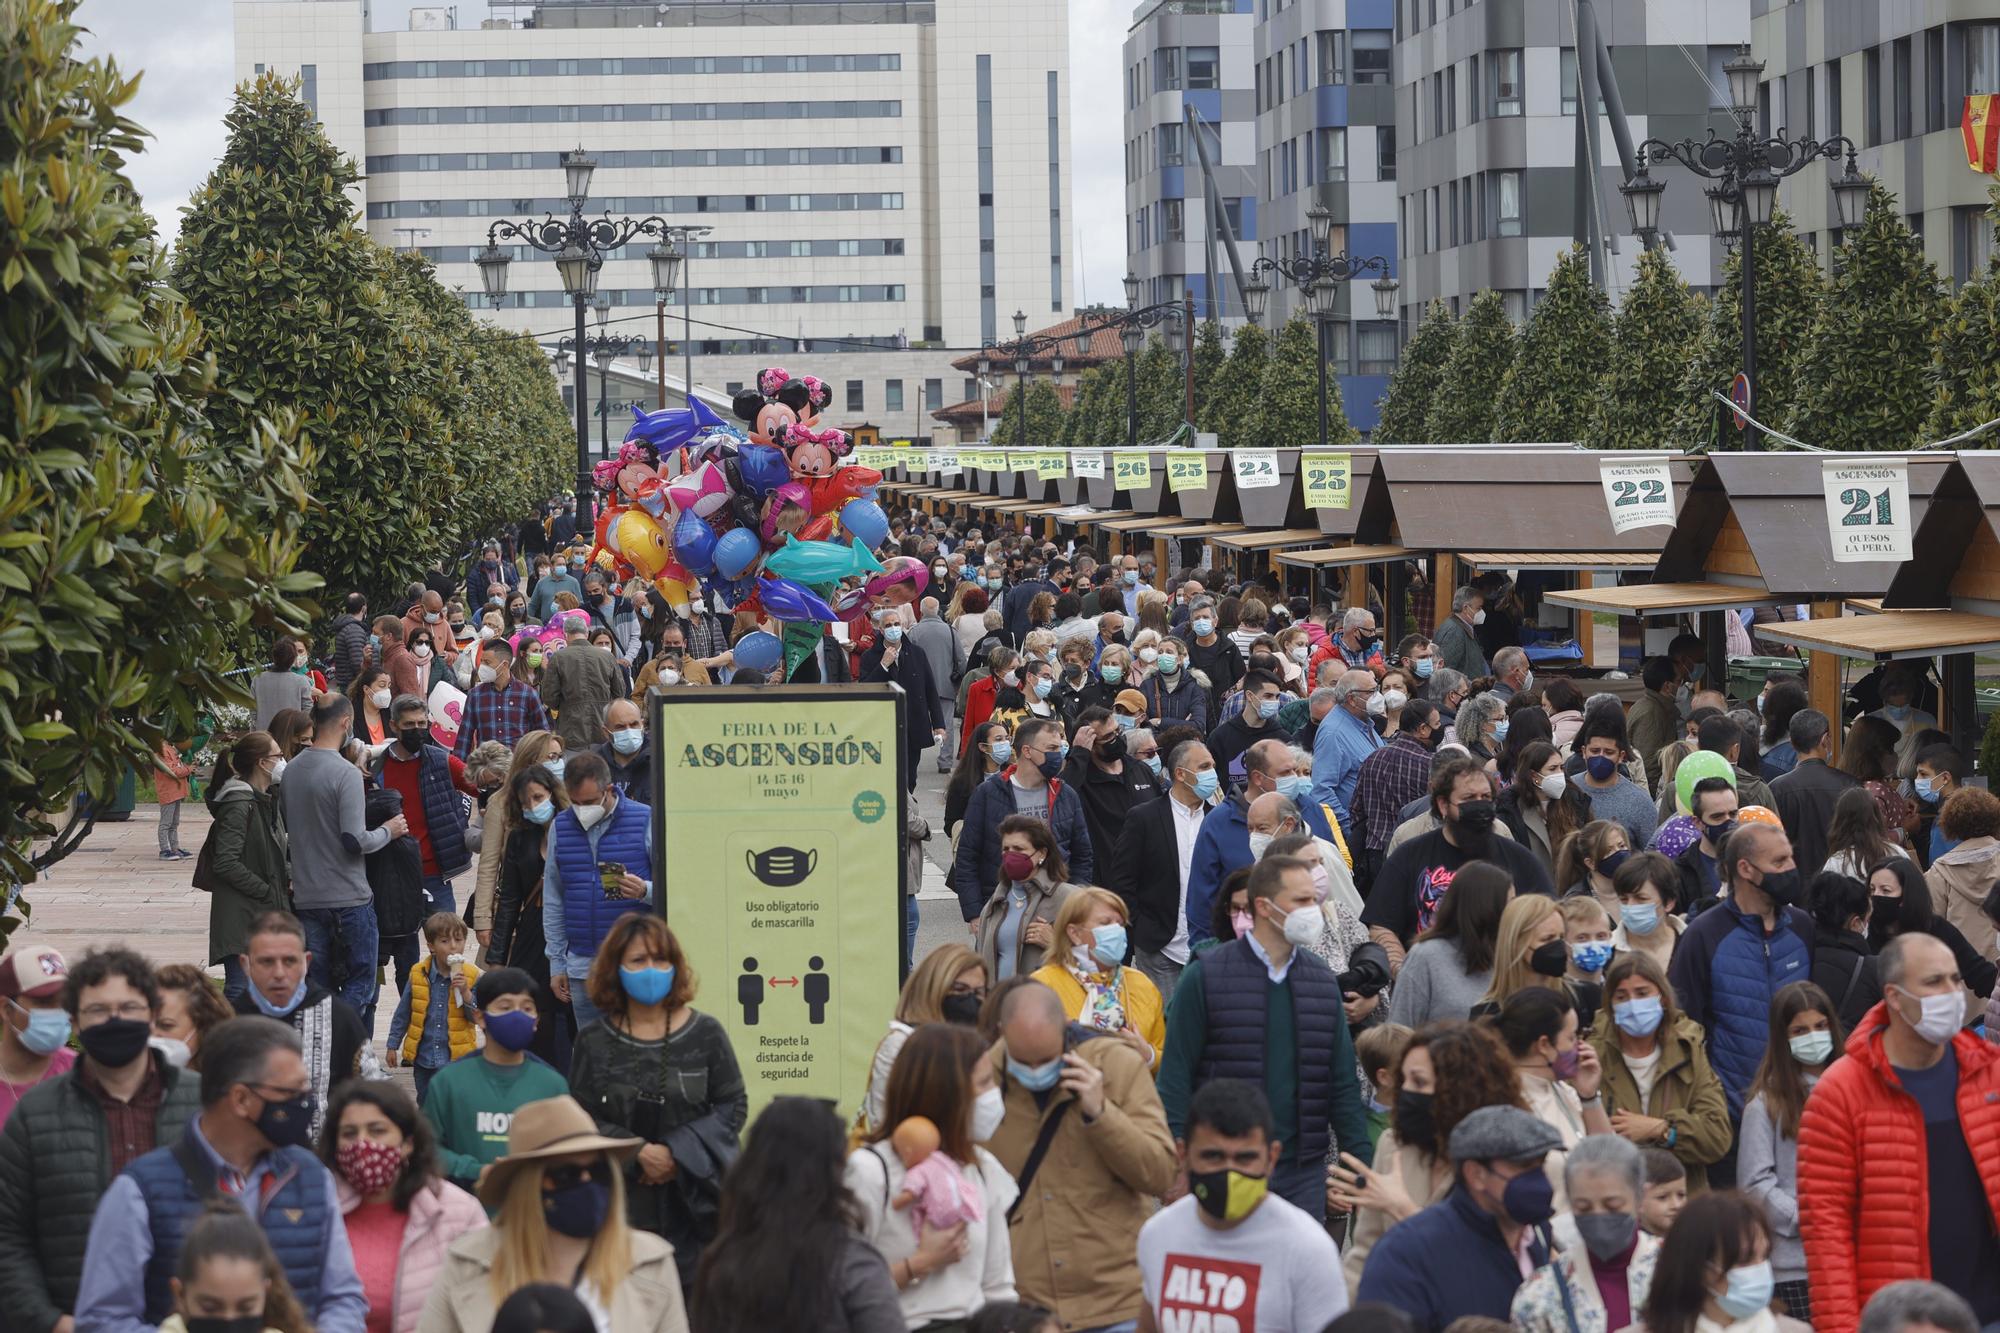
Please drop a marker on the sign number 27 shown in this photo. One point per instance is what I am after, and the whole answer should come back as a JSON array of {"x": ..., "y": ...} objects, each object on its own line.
[
  {"x": 1638, "y": 492},
  {"x": 1864, "y": 510}
]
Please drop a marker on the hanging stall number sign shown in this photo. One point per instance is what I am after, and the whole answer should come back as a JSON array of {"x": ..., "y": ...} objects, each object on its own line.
[
  {"x": 1051, "y": 464},
  {"x": 1130, "y": 471},
  {"x": 1021, "y": 460},
  {"x": 1328, "y": 480},
  {"x": 1089, "y": 463},
  {"x": 1868, "y": 509},
  {"x": 1255, "y": 469},
  {"x": 946, "y": 462},
  {"x": 986, "y": 460},
  {"x": 1186, "y": 472},
  {"x": 1638, "y": 491}
]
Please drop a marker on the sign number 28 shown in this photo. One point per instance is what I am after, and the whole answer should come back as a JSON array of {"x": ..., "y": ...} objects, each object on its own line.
[
  {"x": 1637, "y": 492},
  {"x": 1859, "y": 506}
]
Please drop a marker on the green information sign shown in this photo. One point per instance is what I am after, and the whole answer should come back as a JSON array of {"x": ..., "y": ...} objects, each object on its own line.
[{"x": 778, "y": 814}]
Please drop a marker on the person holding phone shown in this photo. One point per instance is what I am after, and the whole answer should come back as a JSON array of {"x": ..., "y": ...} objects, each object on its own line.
[{"x": 581, "y": 895}]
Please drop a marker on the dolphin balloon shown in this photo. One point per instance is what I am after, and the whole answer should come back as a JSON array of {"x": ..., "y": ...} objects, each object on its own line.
[
  {"x": 672, "y": 427},
  {"x": 816, "y": 563},
  {"x": 788, "y": 601}
]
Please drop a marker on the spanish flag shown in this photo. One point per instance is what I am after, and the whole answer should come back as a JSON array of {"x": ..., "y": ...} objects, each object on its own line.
[{"x": 1981, "y": 127}]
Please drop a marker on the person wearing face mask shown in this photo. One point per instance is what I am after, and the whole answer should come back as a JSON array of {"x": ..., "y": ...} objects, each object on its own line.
[
  {"x": 943, "y": 1274},
  {"x": 1659, "y": 1089},
  {"x": 1602, "y": 749},
  {"x": 1560, "y": 1073},
  {"x": 227, "y": 1280},
  {"x": 559, "y": 1203},
  {"x": 1805, "y": 1036},
  {"x": 1106, "y": 779},
  {"x": 71, "y": 1128},
  {"x": 429, "y": 614},
  {"x": 399, "y": 1212},
  {"x": 1085, "y": 972},
  {"x": 1734, "y": 957},
  {"x": 1511, "y": 672},
  {"x": 335, "y": 1039},
  {"x": 252, "y": 1140},
  {"x": 582, "y": 895},
  {"x": 1468, "y": 1253},
  {"x": 1599, "y": 1281},
  {"x": 1456, "y": 646},
  {"x": 1714, "y": 1273},
  {"x": 1899, "y": 1147},
  {"x": 1541, "y": 807},
  {"x": 349, "y": 633},
  {"x": 944, "y": 658},
  {"x": 542, "y": 597},
  {"x": 1345, "y": 739},
  {"x": 1263, "y": 696},
  {"x": 1174, "y": 690},
  {"x": 996, "y": 690},
  {"x": 1805, "y": 797},
  {"x": 656, "y": 1068},
  {"x": 898, "y": 658},
  {"x": 1265, "y": 1009},
  {"x": 1016, "y": 930},
  {"x": 499, "y": 707},
  {"x": 472, "y": 1101},
  {"x": 1089, "y": 1098},
  {"x": 1230, "y": 1234},
  {"x": 277, "y": 686},
  {"x": 433, "y": 668},
  {"x": 1031, "y": 785},
  {"x": 1213, "y": 654},
  {"x": 248, "y": 871},
  {"x": 624, "y": 748},
  {"x": 430, "y": 779},
  {"x": 189, "y": 1007},
  {"x": 1152, "y": 867},
  {"x": 1962, "y": 880},
  {"x": 1390, "y": 778},
  {"x": 1224, "y": 844},
  {"x": 488, "y": 575}
]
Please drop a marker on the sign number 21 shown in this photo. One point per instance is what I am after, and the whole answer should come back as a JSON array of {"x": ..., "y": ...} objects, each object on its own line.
[{"x": 1864, "y": 509}]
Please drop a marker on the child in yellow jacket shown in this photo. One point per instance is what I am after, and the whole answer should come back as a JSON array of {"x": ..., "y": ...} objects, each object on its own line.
[{"x": 440, "y": 990}]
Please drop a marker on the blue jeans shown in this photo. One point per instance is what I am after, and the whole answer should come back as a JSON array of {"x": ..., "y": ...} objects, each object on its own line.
[
  {"x": 909, "y": 934},
  {"x": 344, "y": 945},
  {"x": 579, "y": 1002},
  {"x": 235, "y": 981},
  {"x": 424, "y": 1075},
  {"x": 437, "y": 892},
  {"x": 1302, "y": 1185}
]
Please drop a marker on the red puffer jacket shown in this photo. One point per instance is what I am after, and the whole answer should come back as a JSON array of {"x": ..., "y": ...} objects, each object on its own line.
[{"x": 1864, "y": 1206}]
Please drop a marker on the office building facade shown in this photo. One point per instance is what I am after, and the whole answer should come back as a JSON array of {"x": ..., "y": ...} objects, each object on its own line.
[{"x": 884, "y": 182}]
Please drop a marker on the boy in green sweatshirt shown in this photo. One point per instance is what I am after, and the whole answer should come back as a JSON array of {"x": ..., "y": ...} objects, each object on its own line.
[{"x": 472, "y": 1100}]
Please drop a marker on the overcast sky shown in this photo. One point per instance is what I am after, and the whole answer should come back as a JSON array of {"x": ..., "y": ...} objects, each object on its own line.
[{"x": 186, "y": 50}]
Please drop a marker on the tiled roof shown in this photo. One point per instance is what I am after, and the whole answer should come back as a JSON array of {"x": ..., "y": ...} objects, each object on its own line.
[
  {"x": 960, "y": 414},
  {"x": 1105, "y": 345}
]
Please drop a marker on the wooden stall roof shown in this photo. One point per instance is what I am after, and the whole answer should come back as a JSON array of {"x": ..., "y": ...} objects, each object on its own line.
[
  {"x": 1192, "y": 528},
  {"x": 1660, "y": 599},
  {"x": 1957, "y": 541},
  {"x": 1331, "y": 557},
  {"x": 1890, "y": 635},
  {"x": 1512, "y": 499},
  {"x": 1039, "y": 507},
  {"x": 1265, "y": 541},
  {"x": 1132, "y": 522},
  {"x": 1369, "y": 516},
  {"x": 1011, "y": 506},
  {"x": 1762, "y": 518},
  {"x": 1587, "y": 561}
]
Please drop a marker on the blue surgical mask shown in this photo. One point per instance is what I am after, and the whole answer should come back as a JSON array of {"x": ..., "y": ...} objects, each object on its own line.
[
  {"x": 1294, "y": 786},
  {"x": 1111, "y": 674},
  {"x": 1107, "y": 944},
  {"x": 1205, "y": 783},
  {"x": 1639, "y": 918},
  {"x": 1035, "y": 1078},
  {"x": 627, "y": 740},
  {"x": 1638, "y": 1018},
  {"x": 1043, "y": 686},
  {"x": 1749, "y": 1290},
  {"x": 1003, "y": 752},
  {"x": 1126, "y": 721},
  {"x": 1153, "y": 762},
  {"x": 1926, "y": 788},
  {"x": 1592, "y": 955},
  {"x": 1131, "y": 578},
  {"x": 270, "y": 1010},
  {"x": 1423, "y": 667},
  {"x": 541, "y": 812},
  {"x": 892, "y": 633},
  {"x": 1500, "y": 730},
  {"x": 1204, "y": 627},
  {"x": 647, "y": 985},
  {"x": 555, "y": 767},
  {"x": 47, "y": 1031},
  {"x": 1268, "y": 708}
]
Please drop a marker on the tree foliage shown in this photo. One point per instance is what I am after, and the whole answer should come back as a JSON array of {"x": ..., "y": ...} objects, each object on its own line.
[
  {"x": 1654, "y": 337},
  {"x": 1210, "y": 355},
  {"x": 1788, "y": 293},
  {"x": 137, "y": 546},
  {"x": 1481, "y": 356},
  {"x": 1286, "y": 413},
  {"x": 1552, "y": 388},
  {"x": 1865, "y": 381},
  {"x": 1045, "y": 416},
  {"x": 1406, "y": 404},
  {"x": 1239, "y": 382},
  {"x": 305, "y": 313},
  {"x": 1967, "y": 372},
  {"x": 1162, "y": 392}
]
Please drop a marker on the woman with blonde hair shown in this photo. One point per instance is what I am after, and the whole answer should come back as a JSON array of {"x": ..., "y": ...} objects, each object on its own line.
[
  {"x": 558, "y": 1201},
  {"x": 1086, "y": 973},
  {"x": 1532, "y": 950},
  {"x": 947, "y": 985},
  {"x": 1587, "y": 859},
  {"x": 543, "y": 748}
]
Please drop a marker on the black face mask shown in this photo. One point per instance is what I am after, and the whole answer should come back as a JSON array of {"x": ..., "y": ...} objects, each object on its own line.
[
  {"x": 1782, "y": 886},
  {"x": 1474, "y": 822},
  {"x": 1550, "y": 960},
  {"x": 413, "y": 738},
  {"x": 1112, "y": 749},
  {"x": 248, "y": 1323},
  {"x": 116, "y": 1042},
  {"x": 1413, "y": 1119},
  {"x": 960, "y": 1009}
]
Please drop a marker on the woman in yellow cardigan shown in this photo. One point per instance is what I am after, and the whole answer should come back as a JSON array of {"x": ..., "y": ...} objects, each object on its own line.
[{"x": 1096, "y": 991}]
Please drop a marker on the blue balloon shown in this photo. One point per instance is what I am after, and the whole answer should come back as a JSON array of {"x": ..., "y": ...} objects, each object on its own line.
[
  {"x": 865, "y": 522},
  {"x": 672, "y": 427},
  {"x": 736, "y": 551},
  {"x": 762, "y": 468},
  {"x": 694, "y": 543},
  {"x": 759, "y": 651},
  {"x": 786, "y": 600}
]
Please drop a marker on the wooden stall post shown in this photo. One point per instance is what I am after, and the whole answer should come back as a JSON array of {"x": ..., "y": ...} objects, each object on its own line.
[
  {"x": 1823, "y": 682},
  {"x": 1958, "y": 705},
  {"x": 1444, "y": 583}
]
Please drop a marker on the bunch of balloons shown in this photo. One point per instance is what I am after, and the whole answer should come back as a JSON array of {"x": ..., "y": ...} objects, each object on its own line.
[{"x": 765, "y": 517}]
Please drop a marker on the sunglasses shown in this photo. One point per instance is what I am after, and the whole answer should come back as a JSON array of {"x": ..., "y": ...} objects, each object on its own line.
[{"x": 569, "y": 1174}]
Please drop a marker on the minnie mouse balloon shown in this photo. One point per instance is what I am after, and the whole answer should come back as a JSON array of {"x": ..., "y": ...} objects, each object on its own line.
[{"x": 865, "y": 522}]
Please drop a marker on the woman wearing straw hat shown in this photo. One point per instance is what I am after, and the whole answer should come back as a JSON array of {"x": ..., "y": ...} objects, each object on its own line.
[{"x": 559, "y": 1216}]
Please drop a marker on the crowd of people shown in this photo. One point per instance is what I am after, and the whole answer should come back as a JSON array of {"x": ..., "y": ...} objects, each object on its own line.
[{"x": 1307, "y": 983}]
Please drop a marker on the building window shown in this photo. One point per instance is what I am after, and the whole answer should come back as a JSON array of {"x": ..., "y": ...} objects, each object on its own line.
[
  {"x": 1169, "y": 139},
  {"x": 933, "y": 395},
  {"x": 1375, "y": 344},
  {"x": 1451, "y": 210},
  {"x": 1204, "y": 67},
  {"x": 1333, "y": 56},
  {"x": 1232, "y": 213},
  {"x": 1569, "y": 80},
  {"x": 1172, "y": 224},
  {"x": 1506, "y": 203},
  {"x": 1982, "y": 57},
  {"x": 1506, "y": 83},
  {"x": 856, "y": 397},
  {"x": 1900, "y": 87},
  {"x": 1833, "y": 117},
  {"x": 1971, "y": 243},
  {"x": 892, "y": 396},
  {"x": 1718, "y": 80},
  {"x": 1385, "y": 152},
  {"x": 1333, "y": 154},
  {"x": 309, "y": 87},
  {"x": 1371, "y": 48},
  {"x": 1167, "y": 69},
  {"x": 1812, "y": 100},
  {"x": 1871, "y": 96}
]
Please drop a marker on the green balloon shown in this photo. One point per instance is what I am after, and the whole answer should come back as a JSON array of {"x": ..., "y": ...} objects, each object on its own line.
[
  {"x": 817, "y": 563},
  {"x": 1697, "y": 766}
]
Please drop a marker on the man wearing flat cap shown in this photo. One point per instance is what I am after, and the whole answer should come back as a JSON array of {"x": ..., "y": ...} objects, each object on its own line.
[{"x": 1468, "y": 1253}]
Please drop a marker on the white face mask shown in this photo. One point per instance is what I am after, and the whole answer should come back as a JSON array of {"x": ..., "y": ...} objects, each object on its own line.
[
  {"x": 669, "y": 676},
  {"x": 1303, "y": 926},
  {"x": 487, "y": 675},
  {"x": 278, "y": 769},
  {"x": 1377, "y": 706},
  {"x": 1479, "y": 617},
  {"x": 1939, "y": 1016},
  {"x": 1261, "y": 843},
  {"x": 173, "y": 1048},
  {"x": 380, "y": 699},
  {"x": 1394, "y": 700},
  {"x": 588, "y": 815},
  {"x": 422, "y": 652},
  {"x": 988, "y": 1109},
  {"x": 1552, "y": 785}
]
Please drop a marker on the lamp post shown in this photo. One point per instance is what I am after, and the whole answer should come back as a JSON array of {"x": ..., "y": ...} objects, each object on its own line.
[
  {"x": 603, "y": 350},
  {"x": 1132, "y": 323},
  {"x": 677, "y": 265},
  {"x": 1745, "y": 170},
  {"x": 579, "y": 245},
  {"x": 1317, "y": 275}
]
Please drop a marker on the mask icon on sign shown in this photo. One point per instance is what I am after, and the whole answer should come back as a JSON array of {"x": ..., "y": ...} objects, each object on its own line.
[{"x": 782, "y": 867}]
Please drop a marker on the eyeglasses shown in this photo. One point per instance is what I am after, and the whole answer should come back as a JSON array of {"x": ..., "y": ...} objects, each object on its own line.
[
  {"x": 272, "y": 1093},
  {"x": 92, "y": 1014},
  {"x": 957, "y": 988}
]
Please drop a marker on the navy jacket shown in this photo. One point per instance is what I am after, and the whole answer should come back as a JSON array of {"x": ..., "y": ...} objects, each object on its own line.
[
  {"x": 1725, "y": 971},
  {"x": 976, "y": 871},
  {"x": 1447, "y": 1262}
]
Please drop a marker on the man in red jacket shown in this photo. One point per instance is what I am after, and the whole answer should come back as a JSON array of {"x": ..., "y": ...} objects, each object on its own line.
[{"x": 1899, "y": 1148}]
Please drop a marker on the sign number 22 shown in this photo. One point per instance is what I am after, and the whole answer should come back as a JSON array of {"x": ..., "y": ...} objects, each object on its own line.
[{"x": 1638, "y": 492}]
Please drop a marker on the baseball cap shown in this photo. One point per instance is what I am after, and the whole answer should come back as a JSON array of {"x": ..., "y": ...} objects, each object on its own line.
[
  {"x": 35, "y": 970},
  {"x": 1132, "y": 701}
]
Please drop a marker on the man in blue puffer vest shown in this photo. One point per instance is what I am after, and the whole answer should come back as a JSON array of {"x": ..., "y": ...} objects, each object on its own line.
[
  {"x": 248, "y": 1145},
  {"x": 1265, "y": 1010},
  {"x": 1736, "y": 955},
  {"x": 579, "y": 903}
]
